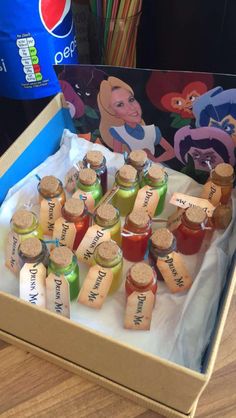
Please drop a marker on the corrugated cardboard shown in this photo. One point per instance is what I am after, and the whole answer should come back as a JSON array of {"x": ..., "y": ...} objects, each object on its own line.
[{"x": 163, "y": 386}]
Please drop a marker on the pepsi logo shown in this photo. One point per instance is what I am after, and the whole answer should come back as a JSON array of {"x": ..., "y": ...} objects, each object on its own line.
[{"x": 56, "y": 17}]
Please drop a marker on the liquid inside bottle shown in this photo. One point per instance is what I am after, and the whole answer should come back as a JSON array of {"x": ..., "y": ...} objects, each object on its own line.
[
  {"x": 25, "y": 223},
  {"x": 74, "y": 211},
  {"x": 51, "y": 187},
  {"x": 135, "y": 235},
  {"x": 163, "y": 243},
  {"x": 91, "y": 186},
  {"x": 157, "y": 179},
  {"x": 141, "y": 278},
  {"x": 127, "y": 180},
  {"x": 108, "y": 217}
]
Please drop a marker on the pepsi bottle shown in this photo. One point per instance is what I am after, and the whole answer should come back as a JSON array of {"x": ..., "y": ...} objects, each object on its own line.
[{"x": 34, "y": 35}]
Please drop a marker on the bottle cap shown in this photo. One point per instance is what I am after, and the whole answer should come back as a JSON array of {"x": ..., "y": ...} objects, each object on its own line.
[
  {"x": 128, "y": 174},
  {"x": 139, "y": 217},
  {"x": 138, "y": 158},
  {"x": 106, "y": 212},
  {"x": 162, "y": 239},
  {"x": 61, "y": 256},
  {"x": 49, "y": 185},
  {"x": 95, "y": 158},
  {"x": 108, "y": 250},
  {"x": 195, "y": 216},
  {"x": 87, "y": 176},
  {"x": 74, "y": 207},
  {"x": 31, "y": 247},
  {"x": 141, "y": 274},
  {"x": 23, "y": 219},
  {"x": 223, "y": 172},
  {"x": 156, "y": 173}
]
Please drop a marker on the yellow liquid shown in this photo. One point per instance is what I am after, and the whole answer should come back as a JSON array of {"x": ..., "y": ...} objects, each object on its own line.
[
  {"x": 115, "y": 232},
  {"x": 117, "y": 278}
]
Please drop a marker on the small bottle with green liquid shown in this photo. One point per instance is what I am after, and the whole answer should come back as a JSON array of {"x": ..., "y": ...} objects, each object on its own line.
[
  {"x": 127, "y": 180},
  {"x": 88, "y": 188},
  {"x": 157, "y": 179}
]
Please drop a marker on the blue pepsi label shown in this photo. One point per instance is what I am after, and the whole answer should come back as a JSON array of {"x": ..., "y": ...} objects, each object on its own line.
[{"x": 37, "y": 34}]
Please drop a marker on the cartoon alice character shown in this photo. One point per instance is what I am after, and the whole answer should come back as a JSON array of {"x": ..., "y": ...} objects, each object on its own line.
[
  {"x": 217, "y": 108},
  {"x": 121, "y": 125},
  {"x": 206, "y": 146}
]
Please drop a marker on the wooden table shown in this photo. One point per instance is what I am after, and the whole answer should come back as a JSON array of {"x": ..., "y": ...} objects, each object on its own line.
[{"x": 32, "y": 387}]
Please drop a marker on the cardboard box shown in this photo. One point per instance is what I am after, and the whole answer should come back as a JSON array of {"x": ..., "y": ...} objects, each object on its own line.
[{"x": 155, "y": 383}]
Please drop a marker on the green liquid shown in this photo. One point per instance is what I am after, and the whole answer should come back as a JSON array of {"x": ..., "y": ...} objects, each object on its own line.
[
  {"x": 95, "y": 190},
  {"x": 161, "y": 190},
  {"x": 71, "y": 274},
  {"x": 124, "y": 199}
]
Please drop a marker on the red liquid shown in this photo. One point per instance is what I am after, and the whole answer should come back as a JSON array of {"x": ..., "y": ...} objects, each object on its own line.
[
  {"x": 131, "y": 287},
  {"x": 134, "y": 247},
  {"x": 189, "y": 241},
  {"x": 103, "y": 178},
  {"x": 81, "y": 228}
]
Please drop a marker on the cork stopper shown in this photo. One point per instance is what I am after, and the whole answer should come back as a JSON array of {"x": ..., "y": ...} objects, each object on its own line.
[
  {"x": 223, "y": 172},
  {"x": 141, "y": 274},
  {"x": 61, "y": 256},
  {"x": 74, "y": 207},
  {"x": 138, "y": 158},
  {"x": 106, "y": 212},
  {"x": 49, "y": 185},
  {"x": 95, "y": 158},
  {"x": 108, "y": 250},
  {"x": 31, "y": 247},
  {"x": 139, "y": 217},
  {"x": 127, "y": 173},
  {"x": 156, "y": 173},
  {"x": 162, "y": 239},
  {"x": 23, "y": 219},
  {"x": 195, "y": 216},
  {"x": 87, "y": 176}
]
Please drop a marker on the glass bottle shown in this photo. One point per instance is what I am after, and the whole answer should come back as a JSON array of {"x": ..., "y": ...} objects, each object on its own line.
[
  {"x": 62, "y": 261},
  {"x": 140, "y": 278},
  {"x": 89, "y": 184},
  {"x": 25, "y": 223},
  {"x": 51, "y": 187},
  {"x": 157, "y": 179},
  {"x": 127, "y": 180},
  {"x": 139, "y": 160},
  {"x": 222, "y": 216},
  {"x": 108, "y": 217},
  {"x": 109, "y": 255},
  {"x": 223, "y": 175},
  {"x": 162, "y": 243},
  {"x": 135, "y": 235},
  {"x": 191, "y": 232},
  {"x": 75, "y": 211},
  {"x": 96, "y": 161},
  {"x": 33, "y": 251}
]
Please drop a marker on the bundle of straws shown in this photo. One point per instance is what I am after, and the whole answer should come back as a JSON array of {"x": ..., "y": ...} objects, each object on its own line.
[{"x": 117, "y": 22}]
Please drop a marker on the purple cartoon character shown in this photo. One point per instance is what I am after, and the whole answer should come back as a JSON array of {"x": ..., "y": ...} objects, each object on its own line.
[
  {"x": 201, "y": 149},
  {"x": 217, "y": 108}
]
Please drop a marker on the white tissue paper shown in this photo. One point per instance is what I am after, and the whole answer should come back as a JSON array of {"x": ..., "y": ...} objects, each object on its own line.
[{"x": 181, "y": 323}]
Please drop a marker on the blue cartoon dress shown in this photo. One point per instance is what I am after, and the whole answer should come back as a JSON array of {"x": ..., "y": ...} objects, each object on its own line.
[{"x": 140, "y": 137}]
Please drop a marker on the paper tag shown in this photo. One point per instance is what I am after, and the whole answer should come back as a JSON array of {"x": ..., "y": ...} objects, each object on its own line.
[
  {"x": 50, "y": 210},
  {"x": 86, "y": 197},
  {"x": 72, "y": 176},
  {"x": 96, "y": 287},
  {"x": 32, "y": 284},
  {"x": 65, "y": 232},
  {"x": 185, "y": 201},
  {"x": 138, "y": 313},
  {"x": 94, "y": 235},
  {"x": 147, "y": 198},
  {"x": 58, "y": 295},
  {"x": 174, "y": 220},
  {"x": 212, "y": 192},
  {"x": 174, "y": 272},
  {"x": 11, "y": 254}
]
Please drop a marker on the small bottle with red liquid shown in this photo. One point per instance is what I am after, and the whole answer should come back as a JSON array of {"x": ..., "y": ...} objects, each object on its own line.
[
  {"x": 135, "y": 235},
  {"x": 74, "y": 211},
  {"x": 96, "y": 161},
  {"x": 140, "y": 278},
  {"x": 191, "y": 232},
  {"x": 163, "y": 243}
]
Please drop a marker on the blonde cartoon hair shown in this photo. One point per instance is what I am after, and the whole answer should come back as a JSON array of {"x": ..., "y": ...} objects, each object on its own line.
[{"x": 108, "y": 118}]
